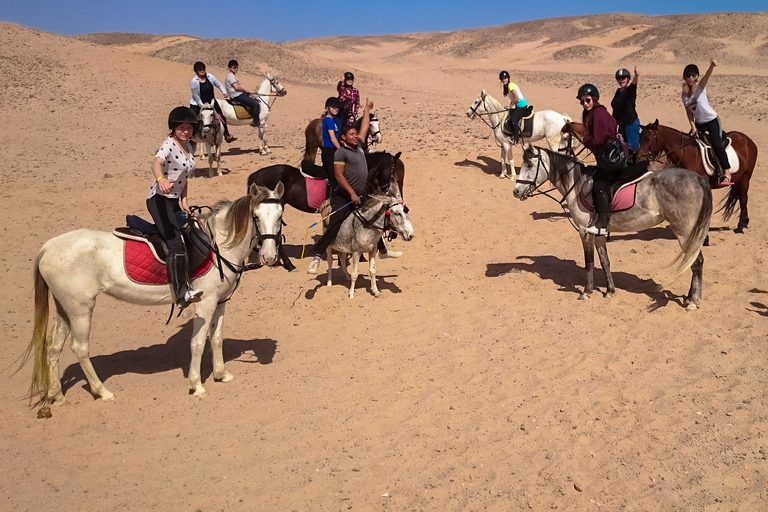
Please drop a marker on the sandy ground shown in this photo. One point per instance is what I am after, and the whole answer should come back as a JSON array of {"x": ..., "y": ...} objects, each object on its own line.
[{"x": 477, "y": 382}]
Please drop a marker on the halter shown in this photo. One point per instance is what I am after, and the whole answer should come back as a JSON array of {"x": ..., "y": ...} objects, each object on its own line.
[
  {"x": 214, "y": 120},
  {"x": 387, "y": 224},
  {"x": 279, "y": 92},
  {"x": 474, "y": 108}
]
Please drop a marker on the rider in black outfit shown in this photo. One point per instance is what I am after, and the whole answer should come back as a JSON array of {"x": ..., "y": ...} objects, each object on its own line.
[
  {"x": 202, "y": 92},
  {"x": 625, "y": 111}
]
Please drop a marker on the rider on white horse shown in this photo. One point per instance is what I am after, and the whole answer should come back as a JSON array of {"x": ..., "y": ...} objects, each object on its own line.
[
  {"x": 202, "y": 92},
  {"x": 172, "y": 167},
  {"x": 239, "y": 95},
  {"x": 517, "y": 103}
]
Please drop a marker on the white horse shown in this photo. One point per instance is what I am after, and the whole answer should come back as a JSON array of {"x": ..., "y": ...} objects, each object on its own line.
[
  {"x": 269, "y": 88},
  {"x": 547, "y": 124},
  {"x": 212, "y": 135},
  {"x": 77, "y": 266}
]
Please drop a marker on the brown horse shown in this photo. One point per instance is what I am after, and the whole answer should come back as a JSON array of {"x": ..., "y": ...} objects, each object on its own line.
[
  {"x": 681, "y": 150},
  {"x": 313, "y": 135}
]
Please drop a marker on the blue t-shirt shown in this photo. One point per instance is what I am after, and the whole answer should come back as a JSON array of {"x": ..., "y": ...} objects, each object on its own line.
[{"x": 329, "y": 123}]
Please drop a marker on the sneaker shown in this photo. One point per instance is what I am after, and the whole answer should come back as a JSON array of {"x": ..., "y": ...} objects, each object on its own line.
[
  {"x": 192, "y": 296},
  {"x": 594, "y": 230},
  {"x": 391, "y": 254},
  {"x": 312, "y": 268},
  {"x": 230, "y": 139}
]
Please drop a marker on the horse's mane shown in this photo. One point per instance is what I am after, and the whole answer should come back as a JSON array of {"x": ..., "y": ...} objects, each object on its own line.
[
  {"x": 237, "y": 218},
  {"x": 559, "y": 163},
  {"x": 381, "y": 167},
  {"x": 494, "y": 103}
]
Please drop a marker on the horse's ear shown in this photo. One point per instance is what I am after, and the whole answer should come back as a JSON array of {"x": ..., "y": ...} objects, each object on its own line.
[
  {"x": 269, "y": 75},
  {"x": 655, "y": 125},
  {"x": 253, "y": 190},
  {"x": 279, "y": 189},
  {"x": 397, "y": 155}
]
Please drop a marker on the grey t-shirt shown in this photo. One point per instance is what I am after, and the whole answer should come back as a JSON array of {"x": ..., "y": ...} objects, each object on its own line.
[
  {"x": 355, "y": 166},
  {"x": 231, "y": 79}
]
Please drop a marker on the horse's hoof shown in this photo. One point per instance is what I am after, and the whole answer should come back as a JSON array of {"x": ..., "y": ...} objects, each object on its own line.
[
  {"x": 225, "y": 377},
  {"x": 739, "y": 230},
  {"x": 502, "y": 175},
  {"x": 106, "y": 396},
  {"x": 608, "y": 295},
  {"x": 584, "y": 296},
  {"x": 44, "y": 413},
  {"x": 691, "y": 307},
  {"x": 199, "y": 391},
  {"x": 377, "y": 294}
]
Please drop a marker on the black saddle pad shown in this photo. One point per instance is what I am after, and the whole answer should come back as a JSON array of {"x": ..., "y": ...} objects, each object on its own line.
[{"x": 196, "y": 240}]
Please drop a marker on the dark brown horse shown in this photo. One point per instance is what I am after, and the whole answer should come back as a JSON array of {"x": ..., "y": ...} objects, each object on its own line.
[
  {"x": 313, "y": 135},
  {"x": 681, "y": 150},
  {"x": 381, "y": 165}
]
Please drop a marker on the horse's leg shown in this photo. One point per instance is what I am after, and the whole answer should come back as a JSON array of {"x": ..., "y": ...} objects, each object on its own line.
[
  {"x": 504, "y": 161},
  {"x": 80, "y": 324},
  {"x": 264, "y": 146},
  {"x": 511, "y": 163},
  {"x": 353, "y": 274},
  {"x": 218, "y": 159},
  {"x": 743, "y": 185},
  {"x": 217, "y": 343},
  {"x": 602, "y": 253},
  {"x": 209, "y": 149},
  {"x": 372, "y": 272},
  {"x": 329, "y": 259},
  {"x": 588, "y": 243},
  {"x": 204, "y": 312},
  {"x": 694, "y": 294},
  {"x": 59, "y": 335}
]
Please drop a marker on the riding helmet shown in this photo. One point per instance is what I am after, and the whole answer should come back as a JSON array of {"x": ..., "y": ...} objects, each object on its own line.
[
  {"x": 691, "y": 69},
  {"x": 503, "y": 75},
  {"x": 333, "y": 102},
  {"x": 588, "y": 90},
  {"x": 181, "y": 115},
  {"x": 349, "y": 75},
  {"x": 199, "y": 66},
  {"x": 623, "y": 73}
]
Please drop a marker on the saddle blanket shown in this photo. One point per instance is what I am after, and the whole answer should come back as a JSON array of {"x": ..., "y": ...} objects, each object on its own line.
[
  {"x": 707, "y": 156},
  {"x": 525, "y": 124},
  {"x": 315, "y": 192},
  {"x": 142, "y": 265},
  {"x": 623, "y": 198},
  {"x": 240, "y": 112}
]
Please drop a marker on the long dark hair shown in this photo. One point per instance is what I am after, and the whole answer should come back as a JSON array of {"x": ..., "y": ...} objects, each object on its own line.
[
  {"x": 586, "y": 116},
  {"x": 505, "y": 88}
]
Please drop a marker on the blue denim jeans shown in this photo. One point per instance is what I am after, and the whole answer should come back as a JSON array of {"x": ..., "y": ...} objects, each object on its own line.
[{"x": 631, "y": 134}]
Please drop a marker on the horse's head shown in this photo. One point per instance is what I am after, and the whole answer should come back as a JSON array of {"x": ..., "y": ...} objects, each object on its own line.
[
  {"x": 374, "y": 132},
  {"x": 396, "y": 215},
  {"x": 267, "y": 213},
  {"x": 478, "y": 106},
  {"x": 207, "y": 118},
  {"x": 275, "y": 86},
  {"x": 533, "y": 173},
  {"x": 650, "y": 145}
]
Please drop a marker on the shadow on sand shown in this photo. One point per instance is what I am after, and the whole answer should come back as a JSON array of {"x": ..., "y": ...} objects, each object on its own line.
[
  {"x": 567, "y": 273},
  {"x": 487, "y": 165},
  {"x": 172, "y": 355},
  {"x": 363, "y": 284}
]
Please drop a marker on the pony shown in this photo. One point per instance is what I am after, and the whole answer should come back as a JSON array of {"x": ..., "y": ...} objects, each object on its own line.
[
  {"x": 362, "y": 230},
  {"x": 313, "y": 135},
  {"x": 79, "y": 265},
  {"x": 674, "y": 195},
  {"x": 212, "y": 135},
  {"x": 381, "y": 166},
  {"x": 682, "y": 150},
  {"x": 270, "y": 87},
  {"x": 547, "y": 124}
]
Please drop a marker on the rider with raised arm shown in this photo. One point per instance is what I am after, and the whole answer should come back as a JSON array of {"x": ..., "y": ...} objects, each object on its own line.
[
  {"x": 351, "y": 172},
  {"x": 172, "y": 167},
  {"x": 240, "y": 95},
  {"x": 625, "y": 110},
  {"x": 703, "y": 117},
  {"x": 349, "y": 98},
  {"x": 202, "y": 92},
  {"x": 517, "y": 103}
]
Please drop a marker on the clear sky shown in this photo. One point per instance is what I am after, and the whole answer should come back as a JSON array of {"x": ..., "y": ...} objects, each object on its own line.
[{"x": 280, "y": 20}]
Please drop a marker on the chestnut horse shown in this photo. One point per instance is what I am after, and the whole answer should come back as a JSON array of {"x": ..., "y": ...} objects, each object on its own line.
[{"x": 681, "y": 150}]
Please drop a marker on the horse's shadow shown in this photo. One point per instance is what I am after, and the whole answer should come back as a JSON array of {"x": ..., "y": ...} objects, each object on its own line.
[
  {"x": 549, "y": 215},
  {"x": 172, "y": 355},
  {"x": 567, "y": 273},
  {"x": 202, "y": 172},
  {"x": 234, "y": 151},
  {"x": 488, "y": 165},
  {"x": 657, "y": 233},
  {"x": 363, "y": 283}
]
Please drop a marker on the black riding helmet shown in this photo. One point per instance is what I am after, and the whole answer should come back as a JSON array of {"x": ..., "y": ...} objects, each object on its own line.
[
  {"x": 588, "y": 90},
  {"x": 199, "y": 66},
  {"x": 503, "y": 75},
  {"x": 623, "y": 73},
  {"x": 333, "y": 102},
  {"x": 181, "y": 115},
  {"x": 691, "y": 69},
  {"x": 349, "y": 75}
]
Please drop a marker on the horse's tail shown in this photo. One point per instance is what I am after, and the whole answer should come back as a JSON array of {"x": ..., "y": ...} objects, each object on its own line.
[
  {"x": 692, "y": 246},
  {"x": 731, "y": 200},
  {"x": 38, "y": 389}
]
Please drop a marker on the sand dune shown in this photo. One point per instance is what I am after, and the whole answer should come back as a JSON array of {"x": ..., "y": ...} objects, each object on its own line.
[{"x": 478, "y": 381}]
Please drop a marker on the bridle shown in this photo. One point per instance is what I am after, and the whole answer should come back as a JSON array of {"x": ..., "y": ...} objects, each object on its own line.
[
  {"x": 386, "y": 225},
  {"x": 279, "y": 92},
  {"x": 371, "y": 134},
  {"x": 474, "y": 108},
  {"x": 214, "y": 119},
  {"x": 663, "y": 154}
]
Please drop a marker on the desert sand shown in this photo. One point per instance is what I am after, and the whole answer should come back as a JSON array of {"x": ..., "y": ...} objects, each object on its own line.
[{"x": 477, "y": 381}]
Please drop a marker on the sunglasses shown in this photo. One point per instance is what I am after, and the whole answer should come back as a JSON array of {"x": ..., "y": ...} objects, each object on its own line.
[
  {"x": 690, "y": 75},
  {"x": 585, "y": 101}
]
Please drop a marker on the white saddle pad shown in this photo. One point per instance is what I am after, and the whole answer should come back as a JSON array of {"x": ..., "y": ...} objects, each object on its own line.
[{"x": 709, "y": 166}]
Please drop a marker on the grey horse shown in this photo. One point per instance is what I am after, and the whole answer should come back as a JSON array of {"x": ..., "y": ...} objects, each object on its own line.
[
  {"x": 675, "y": 195},
  {"x": 361, "y": 231}
]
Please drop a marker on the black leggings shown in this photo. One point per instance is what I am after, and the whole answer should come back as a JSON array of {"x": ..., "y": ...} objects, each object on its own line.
[
  {"x": 601, "y": 190},
  {"x": 163, "y": 211},
  {"x": 516, "y": 115},
  {"x": 326, "y": 156},
  {"x": 340, "y": 212},
  {"x": 715, "y": 132}
]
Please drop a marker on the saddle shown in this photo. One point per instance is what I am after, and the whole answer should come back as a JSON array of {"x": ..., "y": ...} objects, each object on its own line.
[
  {"x": 708, "y": 158},
  {"x": 240, "y": 111},
  {"x": 525, "y": 125},
  {"x": 622, "y": 194},
  {"x": 196, "y": 240}
]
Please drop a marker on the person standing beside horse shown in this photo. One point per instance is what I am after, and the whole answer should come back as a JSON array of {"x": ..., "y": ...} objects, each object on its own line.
[
  {"x": 172, "y": 167},
  {"x": 517, "y": 103},
  {"x": 240, "y": 95},
  {"x": 601, "y": 137},
  {"x": 202, "y": 85},
  {"x": 703, "y": 117},
  {"x": 349, "y": 98},
  {"x": 331, "y": 134},
  {"x": 351, "y": 172},
  {"x": 624, "y": 109}
]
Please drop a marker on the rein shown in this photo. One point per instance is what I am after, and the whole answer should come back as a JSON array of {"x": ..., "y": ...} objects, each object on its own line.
[
  {"x": 278, "y": 92},
  {"x": 664, "y": 154}
]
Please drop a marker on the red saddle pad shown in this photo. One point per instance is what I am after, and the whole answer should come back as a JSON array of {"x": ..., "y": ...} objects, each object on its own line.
[
  {"x": 315, "y": 192},
  {"x": 142, "y": 267},
  {"x": 623, "y": 200}
]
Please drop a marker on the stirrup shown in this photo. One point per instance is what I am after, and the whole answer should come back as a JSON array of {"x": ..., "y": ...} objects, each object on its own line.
[{"x": 594, "y": 230}]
